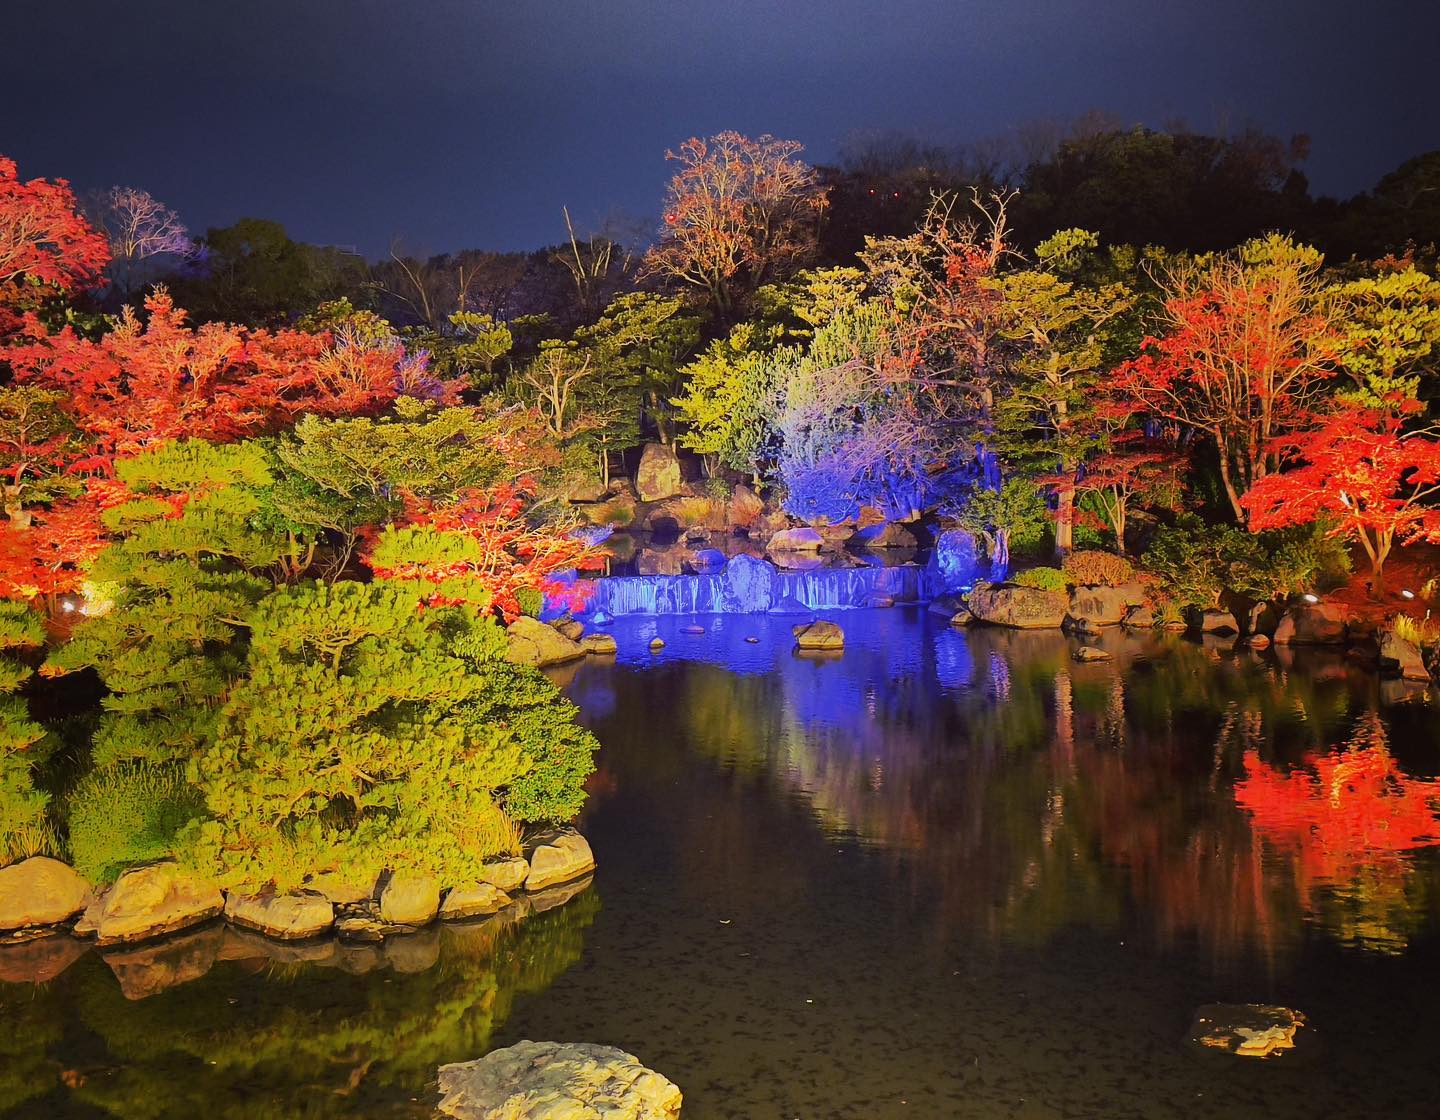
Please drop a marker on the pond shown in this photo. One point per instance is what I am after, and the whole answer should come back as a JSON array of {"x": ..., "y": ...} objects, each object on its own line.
[{"x": 943, "y": 874}]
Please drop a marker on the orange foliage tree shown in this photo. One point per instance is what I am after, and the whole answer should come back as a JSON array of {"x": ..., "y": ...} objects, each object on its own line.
[
  {"x": 1361, "y": 472},
  {"x": 46, "y": 247},
  {"x": 1245, "y": 347},
  {"x": 738, "y": 213}
]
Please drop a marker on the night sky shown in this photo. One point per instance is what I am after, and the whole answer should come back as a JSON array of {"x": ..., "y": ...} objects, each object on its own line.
[{"x": 468, "y": 123}]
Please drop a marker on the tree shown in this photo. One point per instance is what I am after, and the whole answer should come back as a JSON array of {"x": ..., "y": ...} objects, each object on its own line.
[
  {"x": 142, "y": 233},
  {"x": 1247, "y": 343},
  {"x": 726, "y": 403},
  {"x": 1389, "y": 334},
  {"x": 371, "y": 734},
  {"x": 1015, "y": 513},
  {"x": 46, "y": 247},
  {"x": 1363, "y": 472},
  {"x": 596, "y": 265},
  {"x": 1132, "y": 468},
  {"x": 1051, "y": 385},
  {"x": 738, "y": 213},
  {"x": 37, "y": 440}
]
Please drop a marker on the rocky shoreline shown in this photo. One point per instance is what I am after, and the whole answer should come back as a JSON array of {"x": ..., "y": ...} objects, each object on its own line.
[{"x": 157, "y": 924}]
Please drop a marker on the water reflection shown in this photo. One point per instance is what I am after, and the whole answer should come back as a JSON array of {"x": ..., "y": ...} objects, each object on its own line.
[
  {"x": 1177, "y": 788},
  {"x": 221, "y": 1024}
]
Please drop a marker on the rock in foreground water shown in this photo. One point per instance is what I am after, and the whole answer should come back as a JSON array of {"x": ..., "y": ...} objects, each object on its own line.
[
  {"x": 819, "y": 635},
  {"x": 557, "y": 856},
  {"x": 1248, "y": 1030},
  {"x": 557, "y": 1081},
  {"x": 286, "y": 916},
  {"x": 149, "y": 901}
]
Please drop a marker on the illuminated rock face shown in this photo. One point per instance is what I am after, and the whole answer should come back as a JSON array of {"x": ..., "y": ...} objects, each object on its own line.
[
  {"x": 1313, "y": 624},
  {"x": 1021, "y": 608},
  {"x": 557, "y": 1081},
  {"x": 956, "y": 562},
  {"x": 151, "y": 901},
  {"x": 658, "y": 476},
  {"x": 40, "y": 891}
]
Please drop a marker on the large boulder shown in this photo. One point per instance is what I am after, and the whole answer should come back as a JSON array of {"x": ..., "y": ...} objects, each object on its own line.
[
  {"x": 599, "y": 644},
  {"x": 557, "y": 856},
  {"x": 473, "y": 901},
  {"x": 1399, "y": 657},
  {"x": 340, "y": 890},
  {"x": 887, "y": 534},
  {"x": 40, "y": 891},
  {"x": 532, "y": 642},
  {"x": 802, "y": 539},
  {"x": 658, "y": 475},
  {"x": 509, "y": 874},
  {"x": 955, "y": 562},
  {"x": 1216, "y": 621},
  {"x": 819, "y": 635},
  {"x": 557, "y": 1081},
  {"x": 157, "y": 899},
  {"x": 287, "y": 917},
  {"x": 1103, "y": 606},
  {"x": 1022, "y": 608},
  {"x": 745, "y": 507},
  {"x": 1315, "y": 624},
  {"x": 410, "y": 900}
]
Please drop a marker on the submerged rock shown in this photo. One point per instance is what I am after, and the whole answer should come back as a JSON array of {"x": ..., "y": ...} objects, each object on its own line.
[
  {"x": 1090, "y": 653},
  {"x": 557, "y": 856},
  {"x": 1021, "y": 608},
  {"x": 1249, "y": 1030},
  {"x": 819, "y": 635},
  {"x": 532, "y": 642},
  {"x": 286, "y": 917},
  {"x": 40, "y": 891},
  {"x": 150, "y": 901},
  {"x": 599, "y": 644},
  {"x": 557, "y": 1081}
]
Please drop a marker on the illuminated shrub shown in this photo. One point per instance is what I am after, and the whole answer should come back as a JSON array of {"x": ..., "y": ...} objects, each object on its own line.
[
  {"x": 1045, "y": 579},
  {"x": 126, "y": 814},
  {"x": 1090, "y": 567}
]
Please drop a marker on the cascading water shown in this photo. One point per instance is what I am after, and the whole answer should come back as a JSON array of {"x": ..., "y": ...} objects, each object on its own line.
[{"x": 749, "y": 585}]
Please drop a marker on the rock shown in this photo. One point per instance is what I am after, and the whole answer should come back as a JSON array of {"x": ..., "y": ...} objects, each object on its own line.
[
  {"x": 557, "y": 856},
  {"x": 148, "y": 970},
  {"x": 556, "y": 1081},
  {"x": 692, "y": 630},
  {"x": 657, "y": 644},
  {"x": 887, "y": 534},
  {"x": 1261, "y": 619},
  {"x": 963, "y": 617},
  {"x": 707, "y": 560},
  {"x": 507, "y": 874},
  {"x": 803, "y": 539},
  {"x": 40, "y": 891},
  {"x": 744, "y": 509},
  {"x": 1399, "y": 657},
  {"x": 410, "y": 900},
  {"x": 1258, "y": 641},
  {"x": 955, "y": 563},
  {"x": 1139, "y": 617},
  {"x": 473, "y": 901},
  {"x": 153, "y": 900},
  {"x": 287, "y": 917},
  {"x": 332, "y": 885},
  {"x": 1090, "y": 653},
  {"x": 1215, "y": 621},
  {"x": 880, "y": 602},
  {"x": 1101, "y": 606},
  {"x": 571, "y": 628},
  {"x": 89, "y": 921},
  {"x": 599, "y": 644},
  {"x": 360, "y": 927},
  {"x": 752, "y": 640},
  {"x": 531, "y": 642},
  {"x": 658, "y": 475},
  {"x": 819, "y": 635},
  {"x": 1319, "y": 624},
  {"x": 39, "y": 961},
  {"x": 587, "y": 489},
  {"x": 1250, "y": 1030},
  {"x": 1022, "y": 608}
]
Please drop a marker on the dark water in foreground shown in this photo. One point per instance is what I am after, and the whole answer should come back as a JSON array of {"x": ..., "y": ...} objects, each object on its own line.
[{"x": 943, "y": 875}]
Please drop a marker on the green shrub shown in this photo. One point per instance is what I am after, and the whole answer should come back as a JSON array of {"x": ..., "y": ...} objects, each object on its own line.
[
  {"x": 531, "y": 600},
  {"x": 1300, "y": 559},
  {"x": 1197, "y": 562},
  {"x": 25, "y": 827},
  {"x": 126, "y": 814},
  {"x": 1046, "y": 579},
  {"x": 1092, "y": 566}
]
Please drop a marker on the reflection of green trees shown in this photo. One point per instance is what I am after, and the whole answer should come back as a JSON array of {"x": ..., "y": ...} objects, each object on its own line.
[
  {"x": 1038, "y": 794},
  {"x": 298, "y": 1040}
]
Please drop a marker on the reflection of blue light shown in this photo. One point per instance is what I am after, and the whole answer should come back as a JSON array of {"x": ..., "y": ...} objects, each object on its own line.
[{"x": 954, "y": 663}]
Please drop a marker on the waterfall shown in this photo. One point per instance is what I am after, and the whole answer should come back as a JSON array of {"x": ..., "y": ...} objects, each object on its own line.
[{"x": 752, "y": 586}]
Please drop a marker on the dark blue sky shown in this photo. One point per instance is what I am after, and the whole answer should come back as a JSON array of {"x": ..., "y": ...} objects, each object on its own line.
[{"x": 458, "y": 123}]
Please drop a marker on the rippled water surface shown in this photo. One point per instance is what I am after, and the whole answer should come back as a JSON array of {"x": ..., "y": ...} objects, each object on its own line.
[{"x": 945, "y": 874}]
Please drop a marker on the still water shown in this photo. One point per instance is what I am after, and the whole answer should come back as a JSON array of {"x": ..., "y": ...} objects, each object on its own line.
[{"x": 945, "y": 874}]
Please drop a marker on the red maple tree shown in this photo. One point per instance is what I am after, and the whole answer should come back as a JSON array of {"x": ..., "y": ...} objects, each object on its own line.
[
  {"x": 1361, "y": 471},
  {"x": 45, "y": 245}
]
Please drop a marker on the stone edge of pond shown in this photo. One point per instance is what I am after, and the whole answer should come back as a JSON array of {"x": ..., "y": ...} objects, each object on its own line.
[{"x": 42, "y": 899}]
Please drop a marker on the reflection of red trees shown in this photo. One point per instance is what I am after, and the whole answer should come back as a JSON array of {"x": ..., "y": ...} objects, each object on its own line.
[{"x": 1343, "y": 812}]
